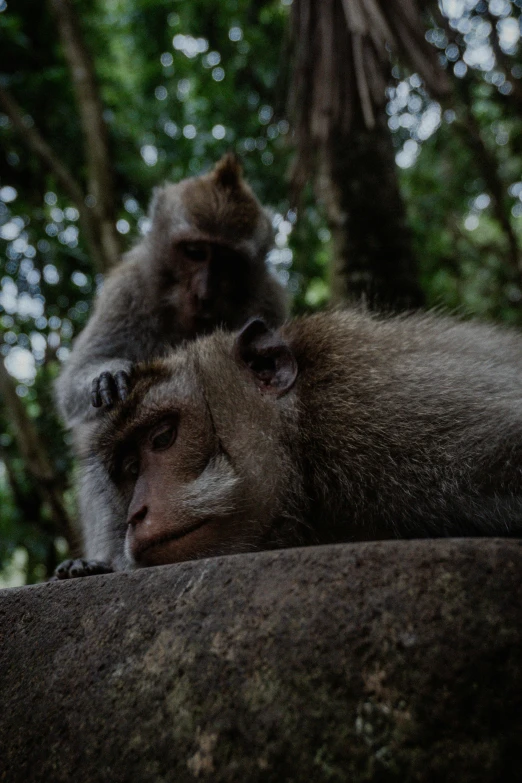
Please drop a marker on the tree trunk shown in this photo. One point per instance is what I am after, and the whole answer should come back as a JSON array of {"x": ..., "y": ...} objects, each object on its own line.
[
  {"x": 94, "y": 127},
  {"x": 340, "y": 69},
  {"x": 373, "y": 259}
]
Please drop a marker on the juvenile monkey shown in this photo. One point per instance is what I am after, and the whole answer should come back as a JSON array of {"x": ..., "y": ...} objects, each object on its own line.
[
  {"x": 337, "y": 427},
  {"x": 202, "y": 265}
]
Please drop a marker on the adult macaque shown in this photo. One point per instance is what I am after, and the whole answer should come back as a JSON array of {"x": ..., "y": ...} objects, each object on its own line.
[
  {"x": 337, "y": 427},
  {"x": 202, "y": 265}
]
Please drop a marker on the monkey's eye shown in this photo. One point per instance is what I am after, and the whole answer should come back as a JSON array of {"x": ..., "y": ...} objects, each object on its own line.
[
  {"x": 130, "y": 467},
  {"x": 163, "y": 436},
  {"x": 197, "y": 251}
]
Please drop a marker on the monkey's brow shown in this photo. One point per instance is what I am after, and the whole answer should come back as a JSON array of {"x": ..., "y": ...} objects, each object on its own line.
[
  {"x": 146, "y": 418},
  {"x": 202, "y": 238},
  {"x": 125, "y": 432}
]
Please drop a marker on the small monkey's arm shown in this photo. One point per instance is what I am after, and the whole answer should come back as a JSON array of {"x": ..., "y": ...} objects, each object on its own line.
[
  {"x": 97, "y": 373},
  {"x": 84, "y": 394}
]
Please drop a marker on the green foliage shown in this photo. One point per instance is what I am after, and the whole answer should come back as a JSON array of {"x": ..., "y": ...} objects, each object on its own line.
[
  {"x": 183, "y": 82},
  {"x": 465, "y": 269}
]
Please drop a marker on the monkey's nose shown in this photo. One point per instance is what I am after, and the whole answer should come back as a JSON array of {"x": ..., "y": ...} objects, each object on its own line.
[
  {"x": 135, "y": 517},
  {"x": 203, "y": 298}
]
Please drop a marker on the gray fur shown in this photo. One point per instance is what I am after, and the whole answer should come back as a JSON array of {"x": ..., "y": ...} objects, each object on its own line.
[
  {"x": 406, "y": 426},
  {"x": 135, "y": 319}
]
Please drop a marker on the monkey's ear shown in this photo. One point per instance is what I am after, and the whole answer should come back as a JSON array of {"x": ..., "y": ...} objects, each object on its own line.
[
  {"x": 227, "y": 172},
  {"x": 269, "y": 359},
  {"x": 156, "y": 202}
]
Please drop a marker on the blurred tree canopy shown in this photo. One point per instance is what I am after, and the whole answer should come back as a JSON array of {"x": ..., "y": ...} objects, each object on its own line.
[{"x": 102, "y": 100}]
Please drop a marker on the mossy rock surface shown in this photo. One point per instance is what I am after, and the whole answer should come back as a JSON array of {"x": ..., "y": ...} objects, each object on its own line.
[{"x": 387, "y": 661}]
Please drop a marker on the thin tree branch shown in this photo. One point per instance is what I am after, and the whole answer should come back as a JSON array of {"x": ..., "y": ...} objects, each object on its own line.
[
  {"x": 28, "y": 503},
  {"x": 33, "y": 139},
  {"x": 99, "y": 165},
  {"x": 470, "y": 132},
  {"x": 36, "y": 459},
  {"x": 503, "y": 61},
  {"x": 35, "y": 142}
]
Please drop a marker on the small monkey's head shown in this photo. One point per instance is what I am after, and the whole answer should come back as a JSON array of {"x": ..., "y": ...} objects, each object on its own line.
[
  {"x": 198, "y": 451},
  {"x": 210, "y": 236}
]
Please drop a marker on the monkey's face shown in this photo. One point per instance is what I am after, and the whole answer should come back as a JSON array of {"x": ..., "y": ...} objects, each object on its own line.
[
  {"x": 187, "y": 470},
  {"x": 208, "y": 284},
  {"x": 178, "y": 488}
]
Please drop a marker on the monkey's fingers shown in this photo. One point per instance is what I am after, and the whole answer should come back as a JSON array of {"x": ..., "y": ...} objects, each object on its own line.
[
  {"x": 72, "y": 569},
  {"x": 104, "y": 390},
  {"x": 122, "y": 381},
  {"x": 95, "y": 393}
]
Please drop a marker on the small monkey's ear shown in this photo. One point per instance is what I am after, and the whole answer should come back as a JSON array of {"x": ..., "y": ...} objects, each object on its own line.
[
  {"x": 227, "y": 172},
  {"x": 268, "y": 358},
  {"x": 156, "y": 203},
  {"x": 157, "y": 196}
]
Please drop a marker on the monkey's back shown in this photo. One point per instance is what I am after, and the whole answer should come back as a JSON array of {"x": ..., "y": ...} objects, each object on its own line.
[{"x": 414, "y": 422}]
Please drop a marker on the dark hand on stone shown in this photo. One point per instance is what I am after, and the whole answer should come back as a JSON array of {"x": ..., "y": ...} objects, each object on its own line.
[{"x": 72, "y": 569}]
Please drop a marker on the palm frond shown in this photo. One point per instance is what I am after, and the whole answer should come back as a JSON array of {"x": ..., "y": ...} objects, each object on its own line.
[{"x": 342, "y": 56}]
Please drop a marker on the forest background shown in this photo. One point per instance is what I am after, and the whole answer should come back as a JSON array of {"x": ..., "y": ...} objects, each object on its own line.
[{"x": 385, "y": 136}]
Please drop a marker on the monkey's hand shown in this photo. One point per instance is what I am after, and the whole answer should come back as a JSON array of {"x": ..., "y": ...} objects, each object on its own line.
[
  {"x": 108, "y": 388},
  {"x": 71, "y": 569}
]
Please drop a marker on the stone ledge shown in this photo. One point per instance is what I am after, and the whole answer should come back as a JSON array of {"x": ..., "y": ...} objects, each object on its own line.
[{"x": 386, "y": 661}]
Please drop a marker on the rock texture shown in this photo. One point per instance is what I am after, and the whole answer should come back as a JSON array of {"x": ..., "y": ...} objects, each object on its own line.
[{"x": 388, "y": 661}]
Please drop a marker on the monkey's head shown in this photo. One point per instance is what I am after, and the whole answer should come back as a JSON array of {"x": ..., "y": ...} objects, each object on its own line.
[
  {"x": 209, "y": 238},
  {"x": 197, "y": 453}
]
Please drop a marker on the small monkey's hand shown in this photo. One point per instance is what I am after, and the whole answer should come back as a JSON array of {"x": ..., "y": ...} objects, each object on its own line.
[
  {"x": 71, "y": 569},
  {"x": 108, "y": 388}
]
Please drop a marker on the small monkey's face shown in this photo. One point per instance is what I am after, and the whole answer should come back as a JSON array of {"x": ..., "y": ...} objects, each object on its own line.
[
  {"x": 219, "y": 236},
  {"x": 185, "y": 495},
  {"x": 206, "y": 283}
]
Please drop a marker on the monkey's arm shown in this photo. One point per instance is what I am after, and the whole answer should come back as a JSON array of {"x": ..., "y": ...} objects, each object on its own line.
[
  {"x": 83, "y": 394},
  {"x": 117, "y": 335}
]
